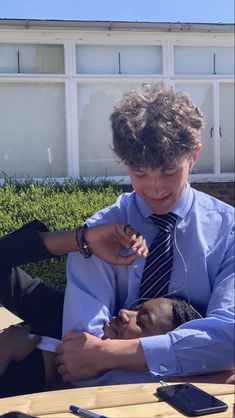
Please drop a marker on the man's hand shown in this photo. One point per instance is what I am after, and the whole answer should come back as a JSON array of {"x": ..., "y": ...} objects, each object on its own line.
[
  {"x": 77, "y": 356},
  {"x": 15, "y": 344},
  {"x": 105, "y": 241},
  {"x": 108, "y": 240},
  {"x": 82, "y": 356}
]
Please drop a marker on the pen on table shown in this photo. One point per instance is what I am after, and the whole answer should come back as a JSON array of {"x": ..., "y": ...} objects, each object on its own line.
[{"x": 84, "y": 412}]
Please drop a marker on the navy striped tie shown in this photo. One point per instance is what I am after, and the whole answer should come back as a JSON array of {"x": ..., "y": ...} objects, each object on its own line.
[{"x": 158, "y": 265}]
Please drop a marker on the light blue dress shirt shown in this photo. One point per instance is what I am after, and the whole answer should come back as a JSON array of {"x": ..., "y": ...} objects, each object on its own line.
[{"x": 203, "y": 273}]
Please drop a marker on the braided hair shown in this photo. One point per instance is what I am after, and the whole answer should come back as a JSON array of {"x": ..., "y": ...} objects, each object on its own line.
[{"x": 183, "y": 312}]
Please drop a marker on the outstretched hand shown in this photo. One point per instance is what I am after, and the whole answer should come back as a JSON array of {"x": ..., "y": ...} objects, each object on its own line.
[
  {"x": 16, "y": 344},
  {"x": 108, "y": 240}
]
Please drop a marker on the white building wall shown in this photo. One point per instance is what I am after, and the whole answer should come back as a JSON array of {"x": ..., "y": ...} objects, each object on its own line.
[{"x": 54, "y": 115}]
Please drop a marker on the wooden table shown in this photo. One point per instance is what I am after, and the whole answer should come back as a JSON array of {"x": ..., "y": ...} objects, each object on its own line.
[{"x": 119, "y": 401}]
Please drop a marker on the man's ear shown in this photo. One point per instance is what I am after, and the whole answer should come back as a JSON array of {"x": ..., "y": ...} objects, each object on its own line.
[{"x": 195, "y": 155}]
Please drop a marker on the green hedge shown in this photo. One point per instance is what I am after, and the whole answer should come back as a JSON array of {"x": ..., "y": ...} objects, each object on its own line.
[{"x": 59, "y": 206}]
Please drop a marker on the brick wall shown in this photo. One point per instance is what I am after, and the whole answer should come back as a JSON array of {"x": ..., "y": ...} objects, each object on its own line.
[{"x": 223, "y": 191}]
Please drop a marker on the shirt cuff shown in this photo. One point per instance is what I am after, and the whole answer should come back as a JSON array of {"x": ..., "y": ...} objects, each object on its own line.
[{"x": 159, "y": 355}]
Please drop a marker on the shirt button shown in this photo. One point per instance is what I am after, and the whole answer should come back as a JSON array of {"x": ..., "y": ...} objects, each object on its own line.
[{"x": 163, "y": 368}]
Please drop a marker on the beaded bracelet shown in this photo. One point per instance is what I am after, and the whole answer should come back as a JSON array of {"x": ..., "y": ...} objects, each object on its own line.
[{"x": 81, "y": 242}]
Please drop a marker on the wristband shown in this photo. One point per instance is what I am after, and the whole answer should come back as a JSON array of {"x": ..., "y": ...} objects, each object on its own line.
[{"x": 81, "y": 242}]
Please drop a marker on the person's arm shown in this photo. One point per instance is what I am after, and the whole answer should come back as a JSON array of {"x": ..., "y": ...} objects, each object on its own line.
[
  {"x": 207, "y": 346},
  {"x": 82, "y": 355},
  {"x": 203, "y": 345},
  {"x": 196, "y": 347},
  {"x": 33, "y": 242},
  {"x": 105, "y": 241}
]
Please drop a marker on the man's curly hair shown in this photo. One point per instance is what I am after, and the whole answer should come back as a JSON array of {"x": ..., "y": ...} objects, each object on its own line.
[{"x": 154, "y": 128}]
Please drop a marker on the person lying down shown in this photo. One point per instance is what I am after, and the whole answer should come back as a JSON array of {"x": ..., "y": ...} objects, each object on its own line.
[{"x": 153, "y": 317}]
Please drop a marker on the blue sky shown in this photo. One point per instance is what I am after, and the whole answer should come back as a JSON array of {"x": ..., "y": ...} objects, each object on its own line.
[{"x": 202, "y": 11}]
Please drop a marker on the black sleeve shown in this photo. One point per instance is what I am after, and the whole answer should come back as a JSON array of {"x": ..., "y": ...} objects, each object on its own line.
[{"x": 23, "y": 246}]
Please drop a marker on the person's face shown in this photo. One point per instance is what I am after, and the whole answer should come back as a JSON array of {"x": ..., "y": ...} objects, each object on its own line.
[
  {"x": 161, "y": 189},
  {"x": 153, "y": 317}
]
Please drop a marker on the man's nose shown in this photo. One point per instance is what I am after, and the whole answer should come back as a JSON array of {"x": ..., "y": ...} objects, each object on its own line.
[
  {"x": 125, "y": 315},
  {"x": 156, "y": 189}
]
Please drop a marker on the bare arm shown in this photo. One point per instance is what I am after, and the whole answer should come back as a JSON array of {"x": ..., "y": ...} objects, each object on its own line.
[
  {"x": 82, "y": 356},
  {"x": 59, "y": 242},
  {"x": 105, "y": 241}
]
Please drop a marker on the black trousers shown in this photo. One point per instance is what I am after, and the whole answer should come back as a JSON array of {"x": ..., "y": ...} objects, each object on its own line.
[{"x": 29, "y": 298}]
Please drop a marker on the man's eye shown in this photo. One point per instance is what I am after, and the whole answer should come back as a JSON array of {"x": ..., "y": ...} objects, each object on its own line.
[
  {"x": 170, "y": 173},
  {"x": 139, "y": 175},
  {"x": 138, "y": 322}
]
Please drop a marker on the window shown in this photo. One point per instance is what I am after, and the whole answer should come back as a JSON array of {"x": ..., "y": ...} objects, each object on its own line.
[
  {"x": 36, "y": 59},
  {"x": 202, "y": 60},
  {"x": 32, "y": 130},
  {"x": 217, "y": 156},
  {"x": 58, "y": 89},
  {"x": 201, "y": 95},
  {"x": 226, "y": 127},
  {"x": 95, "y": 104},
  {"x": 109, "y": 59}
]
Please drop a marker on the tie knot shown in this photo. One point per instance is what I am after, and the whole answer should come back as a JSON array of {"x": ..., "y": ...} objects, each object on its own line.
[{"x": 165, "y": 222}]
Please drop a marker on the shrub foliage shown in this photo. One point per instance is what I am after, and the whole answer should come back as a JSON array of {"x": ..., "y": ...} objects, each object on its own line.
[{"x": 59, "y": 206}]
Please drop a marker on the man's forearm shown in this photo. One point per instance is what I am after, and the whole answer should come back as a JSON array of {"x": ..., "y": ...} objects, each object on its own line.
[
  {"x": 105, "y": 241},
  {"x": 82, "y": 355},
  {"x": 59, "y": 242},
  {"x": 123, "y": 354}
]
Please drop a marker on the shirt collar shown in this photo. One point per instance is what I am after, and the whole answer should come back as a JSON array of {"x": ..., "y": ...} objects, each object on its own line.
[{"x": 184, "y": 203}]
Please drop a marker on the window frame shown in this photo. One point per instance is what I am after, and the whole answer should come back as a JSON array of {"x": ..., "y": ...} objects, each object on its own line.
[{"x": 71, "y": 79}]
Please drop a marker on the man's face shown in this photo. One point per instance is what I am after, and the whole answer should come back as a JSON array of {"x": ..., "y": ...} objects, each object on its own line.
[
  {"x": 153, "y": 317},
  {"x": 161, "y": 189}
]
